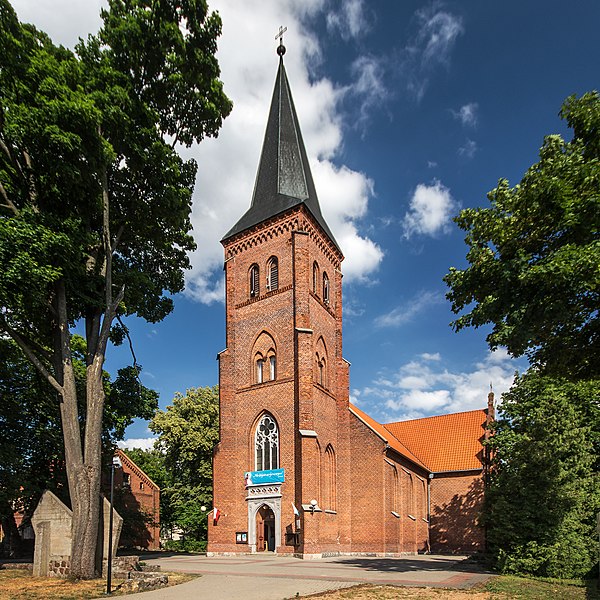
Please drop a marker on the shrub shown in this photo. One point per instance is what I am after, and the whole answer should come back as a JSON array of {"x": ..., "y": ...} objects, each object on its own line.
[{"x": 186, "y": 545}]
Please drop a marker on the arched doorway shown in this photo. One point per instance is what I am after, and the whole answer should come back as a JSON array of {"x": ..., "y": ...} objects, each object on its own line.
[{"x": 265, "y": 529}]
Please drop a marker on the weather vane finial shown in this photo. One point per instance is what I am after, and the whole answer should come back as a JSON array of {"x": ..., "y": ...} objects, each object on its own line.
[{"x": 281, "y": 47}]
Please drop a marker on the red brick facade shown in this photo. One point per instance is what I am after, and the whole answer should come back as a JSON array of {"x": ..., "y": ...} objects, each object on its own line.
[
  {"x": 284, "y": 384},
  {"x": 371, "y": 497}
]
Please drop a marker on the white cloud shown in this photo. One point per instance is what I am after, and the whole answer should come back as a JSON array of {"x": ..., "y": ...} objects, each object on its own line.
[
  {"x": 369, "y": 86},
  {"x": 437, "y": 33},
  {"x": 227, "y": 165},
  {"x": 141, "y": 443},
  {"x": 468, "y": 150},
  {"x": 352, "y": 308},
  {"x": 419, "y": 389},
  {"x": 467, "y": 114},
  {"x": 406, "y": 312},
  {"x": 430, "y": 47},
  {"x": 65, "y": 21},
  {"x": 430, "y": 210},
  {"x": 349, "y": 20}
]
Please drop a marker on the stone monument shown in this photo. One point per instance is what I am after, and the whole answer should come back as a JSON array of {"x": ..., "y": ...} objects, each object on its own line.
[{"x": 52, "y": 522}]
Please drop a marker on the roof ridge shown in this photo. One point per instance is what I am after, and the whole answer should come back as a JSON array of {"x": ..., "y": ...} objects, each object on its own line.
[
  {"x": 140, "y": 472},
  {"x": 460, "y": 412},
  {"x": 404, "y": 450}
]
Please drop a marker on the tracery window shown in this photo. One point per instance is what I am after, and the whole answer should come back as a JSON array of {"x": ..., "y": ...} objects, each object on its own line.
[
  {"x": 272, "y": 274},
  {"x": 325, "y": 288},
  {"x": 266, "y": 444},
  {"x": 254, "y": 284}
]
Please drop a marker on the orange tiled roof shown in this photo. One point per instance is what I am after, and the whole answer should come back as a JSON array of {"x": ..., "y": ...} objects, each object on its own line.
[
  {"x": 381, "y": 431},
  {"x": 446, "y": 442}
]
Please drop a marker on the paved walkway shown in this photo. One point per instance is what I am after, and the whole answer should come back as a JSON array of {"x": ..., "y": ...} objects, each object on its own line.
[{"x": 268, "y": 577}]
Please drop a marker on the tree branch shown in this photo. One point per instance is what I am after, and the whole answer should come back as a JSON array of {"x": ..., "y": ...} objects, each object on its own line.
[
  {"x": 37, "y": 363},
  {"x": 126, "y": 329},
  {"x": 117, "y": 238},
  {"x": 9, "y": 204},
  {"x": 33, "y": 195},
  {"x": 6, "y": 150}
]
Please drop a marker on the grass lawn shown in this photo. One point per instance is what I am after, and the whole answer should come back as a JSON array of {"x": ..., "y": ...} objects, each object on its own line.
[
  {"x": 504, "y": 587},
  {"x": 19, "y": 584}
]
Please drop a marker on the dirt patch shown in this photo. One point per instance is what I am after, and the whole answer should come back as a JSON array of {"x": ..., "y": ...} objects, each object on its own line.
[
  {"x": 21, "y": 585},
  {"x": 386, "y": 592}
]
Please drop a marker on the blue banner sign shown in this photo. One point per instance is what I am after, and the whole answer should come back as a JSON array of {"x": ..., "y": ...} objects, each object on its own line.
[{"x": 263, "y": 477}]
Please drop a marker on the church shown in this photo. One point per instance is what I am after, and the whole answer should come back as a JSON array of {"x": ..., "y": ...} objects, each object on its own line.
[{"x": 298, "y": 469}]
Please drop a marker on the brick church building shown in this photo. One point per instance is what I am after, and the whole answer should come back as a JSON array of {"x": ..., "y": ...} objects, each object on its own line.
[{"x": 298, "y": 469}]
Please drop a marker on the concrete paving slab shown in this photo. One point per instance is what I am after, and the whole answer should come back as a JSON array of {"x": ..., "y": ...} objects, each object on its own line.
[{"x": 271, "y": 577}]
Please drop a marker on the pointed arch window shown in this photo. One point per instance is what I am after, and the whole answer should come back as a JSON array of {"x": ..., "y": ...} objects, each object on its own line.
[
  {"x": 272, "y": 274},
  {"x": 254, "y": 284},
  {"x": 329, "y": 479},
  {"x": 266, "y": 444},
  {"x": 316, "y": 278},
  {"x": 325, "y": 288},
  {"x": 260, "y": 368},
  {"x": 322, "y": 372},
  {"x": 272, "y": 367}
]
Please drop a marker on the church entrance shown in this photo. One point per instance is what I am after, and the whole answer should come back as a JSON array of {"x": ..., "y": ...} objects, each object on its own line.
[{"x": 265, "y": 529}]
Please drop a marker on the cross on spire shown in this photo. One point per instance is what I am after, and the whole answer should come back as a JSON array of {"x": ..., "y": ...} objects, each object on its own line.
[{"x": 281, "y": 47}]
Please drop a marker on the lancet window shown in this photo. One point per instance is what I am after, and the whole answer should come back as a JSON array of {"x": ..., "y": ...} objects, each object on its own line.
[
  {"x": 254, "y": 284},
  {"x": 272, "y": 274}
]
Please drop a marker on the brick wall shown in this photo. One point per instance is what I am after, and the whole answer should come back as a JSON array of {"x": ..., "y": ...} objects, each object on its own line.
[
  {"x": 456, "y": 504},
  {"x": 138, "y": 494}
]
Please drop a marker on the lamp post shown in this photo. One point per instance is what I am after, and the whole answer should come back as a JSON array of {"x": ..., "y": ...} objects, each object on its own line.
[
  {"x": 116, "y": 462},
  {"x": 313, "y": 506}
]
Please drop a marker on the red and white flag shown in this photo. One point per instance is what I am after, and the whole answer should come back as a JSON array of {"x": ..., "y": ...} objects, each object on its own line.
[{"x": 216, "y": 514}]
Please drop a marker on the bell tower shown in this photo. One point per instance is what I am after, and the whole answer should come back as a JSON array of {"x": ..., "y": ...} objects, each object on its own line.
[{"x": 281, "y": 466}]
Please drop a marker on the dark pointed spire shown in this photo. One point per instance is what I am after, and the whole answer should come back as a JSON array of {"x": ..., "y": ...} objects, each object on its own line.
[{"x": 284, "y": 179}]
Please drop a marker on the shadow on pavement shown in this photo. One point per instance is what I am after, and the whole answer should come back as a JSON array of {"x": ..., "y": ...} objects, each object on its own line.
[{"x": 407, "y": 565}]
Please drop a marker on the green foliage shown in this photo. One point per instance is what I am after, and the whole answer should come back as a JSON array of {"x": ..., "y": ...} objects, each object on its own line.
[
  {"x": 95, "y": 202},
  {"x": 534, "y": 254},
  {"x": 186, "y": 545},
  {"x": 544, "y": 491},
  {"x": 188, "y": 431},
  {"x": 30, "y": 418}
]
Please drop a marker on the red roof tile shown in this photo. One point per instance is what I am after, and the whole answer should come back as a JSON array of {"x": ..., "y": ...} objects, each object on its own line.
[
  {"x": 446, "y": 442},
  {"x": 381, "y": 431}
]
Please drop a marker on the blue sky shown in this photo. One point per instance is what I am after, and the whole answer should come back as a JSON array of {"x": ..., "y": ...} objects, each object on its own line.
[{"x": 410, "y": 111}]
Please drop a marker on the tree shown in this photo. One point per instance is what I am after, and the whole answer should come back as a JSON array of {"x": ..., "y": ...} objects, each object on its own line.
[
  {"x": 30, "y": 418},
  {"x": 188, "y": 431},
  {"x": 534, "y": 254},
  {"x": 95, "y": 200},
  {"x": 544, "y": 491}
]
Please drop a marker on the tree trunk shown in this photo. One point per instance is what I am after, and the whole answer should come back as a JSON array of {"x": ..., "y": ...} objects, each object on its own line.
[
  {"x": 12, "y": 539},
  {"x": 83, "y": 472}
]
